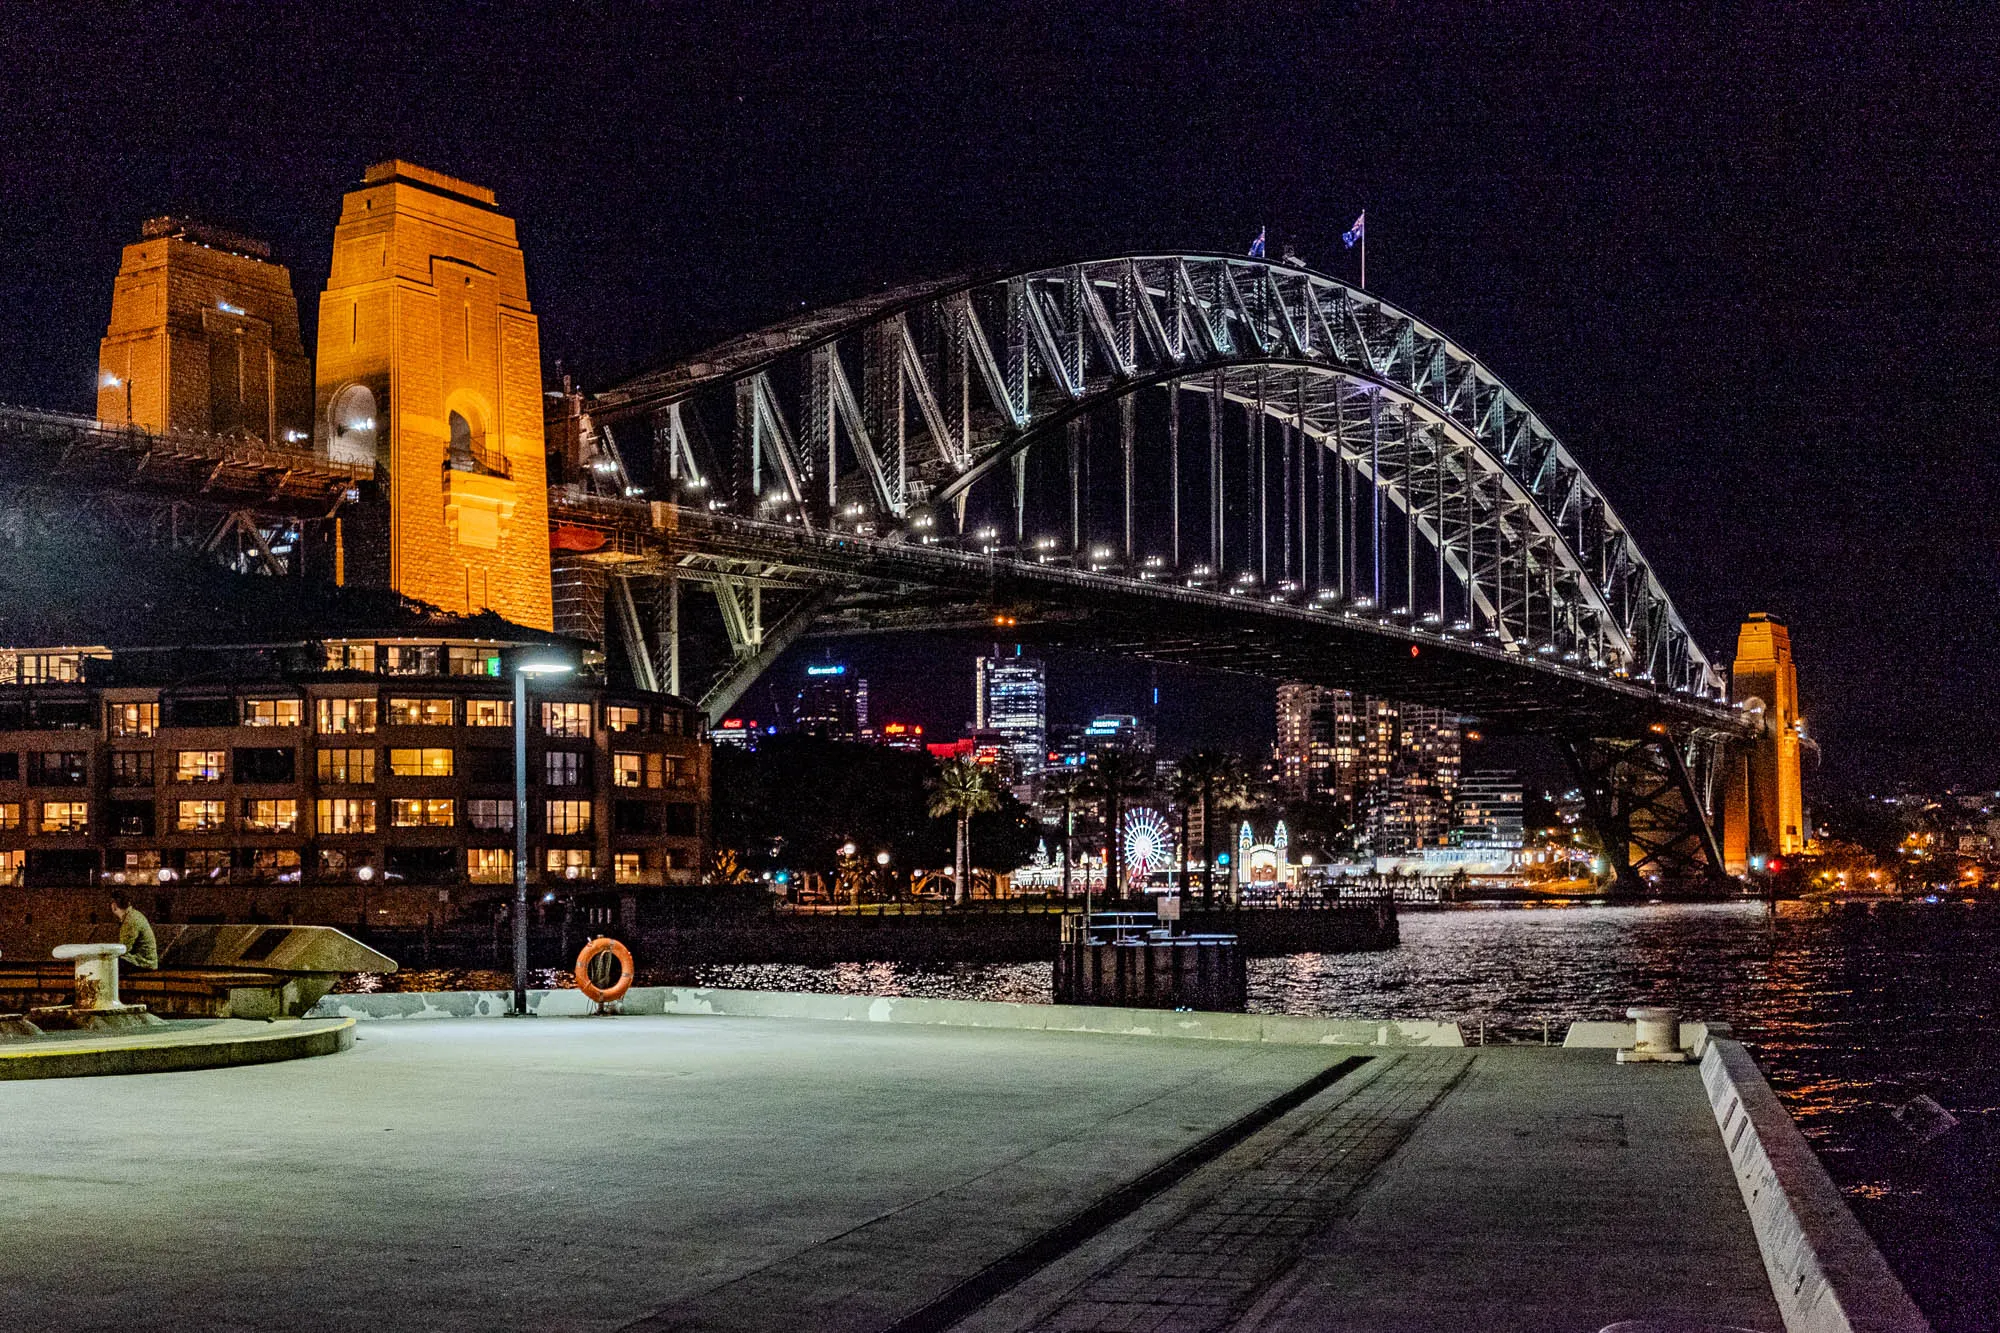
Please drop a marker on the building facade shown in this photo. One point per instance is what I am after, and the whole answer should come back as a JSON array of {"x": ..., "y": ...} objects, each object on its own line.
[
  {"x": 278, "y": 780},
  {"x": 1011, "y": 696}
]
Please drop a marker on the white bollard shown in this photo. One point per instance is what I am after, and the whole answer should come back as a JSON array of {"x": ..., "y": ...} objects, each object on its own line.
[
  {"x": 1657, "y": 1036},
  {"x": 96, "y": 974}
]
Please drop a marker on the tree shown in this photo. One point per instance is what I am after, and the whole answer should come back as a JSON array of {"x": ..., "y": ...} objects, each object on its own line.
[
  {"x": 1116, "y": 777},
  {"x": 1185, "y": 788},
  {"x": 1063, "y": 790},
  {"x": 1220, "y": 780},
  {"x": 959, "y": 790}
]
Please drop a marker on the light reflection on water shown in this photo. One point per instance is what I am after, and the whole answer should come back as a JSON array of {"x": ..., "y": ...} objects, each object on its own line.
[{"x": 1848, "y": 1018}]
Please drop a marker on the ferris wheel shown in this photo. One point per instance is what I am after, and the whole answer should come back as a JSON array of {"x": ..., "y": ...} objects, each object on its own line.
[{"x": 1148, "y": 843}]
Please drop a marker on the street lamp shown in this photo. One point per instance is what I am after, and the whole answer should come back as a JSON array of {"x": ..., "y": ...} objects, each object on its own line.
[{"x": 522, "y": 670}]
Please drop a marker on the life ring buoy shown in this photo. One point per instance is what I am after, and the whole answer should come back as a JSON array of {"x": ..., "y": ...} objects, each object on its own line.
[{"x": 604, "y": 994}]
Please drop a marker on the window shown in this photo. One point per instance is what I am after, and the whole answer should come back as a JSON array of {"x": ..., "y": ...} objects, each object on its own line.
[
  {"x": 355, "y": 767},
  {"x": 636, "y": 817},
  {"x": 281, "y": 816},
  {"x": 680, "y": 820},
  {"x": 569, "y": 817},
  {"x": 420, "y": 763},
  {"x": 488, "y": 763},
  {"x": 346, "y": 816},
  {"x": 625, "y": 868},
  {"x": 339, "y": 717},
  {"x": 568, "y": 720},
  {"x": 350, "y": 657},
  {"x": 203, "y": 712},
  {"x": 11, "y": 864},
  {"x": 489, "y": 865},
  {"x": 132, "y": 819},
  {"x": 281, "y": 863},
  {"x": 409, "y": 659},
  {"x": 420, "y": 712},
  {"x": 65, "y": 816},
  {"x": 58, "y": 768},
  {"x": 274, "y": 764},
  {"x": 51, "y": 668},
  {"x": 629, "y": 770},
  {"x": 564, "y": 768},
  {"x": 571, "y": 863},
  {"x": 489, "y": 712},
  {"x": 10, "y": 817},
  {"x": 131, "y": 768},
  {"x": 423, "y": 865},
  {"x": 199, "y": 816},
  {"x": 199, "y": 765},
  {"x": 270, "y": 712},
  {"x": 472, "y": 661},
  {"x": 490, "y": 814},
  {"x": 617, "y": 717},
  {"x": 420, "y": 812},
  {"x": 673, "y": 722},
  {"x": 337, "y": 862},
  {"x": 133, "y": 719},
  {"x": 10, "y": 767}
]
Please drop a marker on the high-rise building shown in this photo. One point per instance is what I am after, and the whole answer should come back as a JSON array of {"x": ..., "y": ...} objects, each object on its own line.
[
  {"x": 1118, "y": 731},
  {"x": 828, "y": 704},
  {"x": 430, "y": 371},
  {"x": 1010, "y": 696},
  {"x": 204, "y": 337},
  {"x": 1409, "y": 799},
  {"x": 1490, "y": 808}
]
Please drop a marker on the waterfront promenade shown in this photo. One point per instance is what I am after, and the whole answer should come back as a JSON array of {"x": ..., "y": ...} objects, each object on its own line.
[{"x": 749, "y": 1173}]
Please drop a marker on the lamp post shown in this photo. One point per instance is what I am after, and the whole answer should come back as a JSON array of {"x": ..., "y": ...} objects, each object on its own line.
[{"x": 523, "y": 670}]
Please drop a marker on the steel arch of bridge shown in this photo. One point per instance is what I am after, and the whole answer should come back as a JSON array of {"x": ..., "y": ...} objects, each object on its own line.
[{"x": 915, "y": 414}]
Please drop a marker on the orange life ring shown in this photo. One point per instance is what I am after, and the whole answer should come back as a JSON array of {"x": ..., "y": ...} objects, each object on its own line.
[{"x": 604, "y": 944}]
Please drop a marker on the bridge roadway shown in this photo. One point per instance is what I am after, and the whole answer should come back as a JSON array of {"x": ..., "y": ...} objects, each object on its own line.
[
  {"x": 710, "y": 1173},
  {"x": 884, "y": 584}
]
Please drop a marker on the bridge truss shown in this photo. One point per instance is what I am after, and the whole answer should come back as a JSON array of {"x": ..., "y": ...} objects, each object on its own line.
[{"x": 1197, "y": 458}]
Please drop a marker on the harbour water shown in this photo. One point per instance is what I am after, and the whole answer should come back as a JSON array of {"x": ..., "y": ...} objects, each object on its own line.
[{"x": 1849, "y": 1018}]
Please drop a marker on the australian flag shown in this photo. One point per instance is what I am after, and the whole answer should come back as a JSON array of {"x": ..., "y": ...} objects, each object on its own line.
[
  {"x": 1359, "y": 231},
  {"x": 1257, "y": 246}
]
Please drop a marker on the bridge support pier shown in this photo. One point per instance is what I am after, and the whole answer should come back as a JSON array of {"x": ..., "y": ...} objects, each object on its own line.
[{"x": 1643, "y": 804}]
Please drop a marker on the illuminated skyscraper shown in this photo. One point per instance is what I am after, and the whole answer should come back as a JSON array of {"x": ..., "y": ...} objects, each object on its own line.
[
  {"x": 828, "y": 704},
  {"x": 1010, "y": 696}
]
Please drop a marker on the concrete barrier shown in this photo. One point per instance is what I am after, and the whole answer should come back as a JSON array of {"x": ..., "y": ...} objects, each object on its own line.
[
  {"x": 1825, "y": 1271},
  {"x": 695, "y": 1000}
]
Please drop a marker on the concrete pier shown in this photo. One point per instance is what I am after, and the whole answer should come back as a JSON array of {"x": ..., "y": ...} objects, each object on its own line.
[{"x": 712, "y": 1172}]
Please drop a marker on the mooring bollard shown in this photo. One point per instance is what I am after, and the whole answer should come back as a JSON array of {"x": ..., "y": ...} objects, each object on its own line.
[
  {"x": 1657, "y": 1036},
  {"x": 96, "y": 974}
]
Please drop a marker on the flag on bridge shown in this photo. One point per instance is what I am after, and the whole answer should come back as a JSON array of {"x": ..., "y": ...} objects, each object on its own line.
[
  {"x": 1257, "y": 246},
  {"x": 1358, "y": 232}
]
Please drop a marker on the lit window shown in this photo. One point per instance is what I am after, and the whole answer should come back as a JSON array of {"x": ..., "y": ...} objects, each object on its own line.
[
  {"x": 270, "y": 712},
  {"x": 571, "y": 863},
  {"x": 199, "y": 765},
  {"x": 12, "y": 865},
  {"x": 563, "y": 768},
  {"x": 569, "y": 817},
  {"x": 206, "y": 862},
  {"x": 350, "y": 656},
  {"x": 620, "y": 718},
  {"x": 420, "y": 712},
  {"x": 199, "y": 816},
  {"x": 568, "y": 720},
  {"x": 420, "y": 763},
  {"x": 280, "y": 816},
  {"x": 626, "y": 868},
  {"x": 472, "y": 661},
  {"x": 489, "y": 865},
  {"x": 348, "y": 766},
  {"x": 404, "y": 659},
  {"x": 489, "y": 712},
  {"x": 134, "y": 719},
  {"x": 490, "y": 814},
  {"x": 420, "y": 812},
  {"x": 339, "y": 717},
  {"x": 346, "y": 816},
  {"x": 10, "y": 817},
  {"x": 628, "y": 770},
  {"x": 274, "y": 863},
  {"x": 51, "y": 668}
]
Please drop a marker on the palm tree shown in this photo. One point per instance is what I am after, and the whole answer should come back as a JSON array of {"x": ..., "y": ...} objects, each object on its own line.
[
  {"x": 1063, "y": 791},
  {"x": 1221, "y": 781},
  {"x": 961, "y": 789},
  {"x": 1116, "y": 777},
  {"x": 1185, "y": 788}
]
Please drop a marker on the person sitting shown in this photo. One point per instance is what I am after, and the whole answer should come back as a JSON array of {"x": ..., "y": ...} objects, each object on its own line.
[{"x": 135, "y": 932}]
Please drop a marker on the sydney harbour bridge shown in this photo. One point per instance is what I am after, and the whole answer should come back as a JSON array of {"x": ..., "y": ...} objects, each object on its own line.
[{"x": 1193, "y": 458}]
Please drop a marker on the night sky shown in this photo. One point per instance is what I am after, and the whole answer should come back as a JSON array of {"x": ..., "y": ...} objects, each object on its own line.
[{"x": 1742, "y": 262}]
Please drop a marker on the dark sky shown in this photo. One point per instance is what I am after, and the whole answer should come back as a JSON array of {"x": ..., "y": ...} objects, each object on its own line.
[{"x": 1742, "y": 259}]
